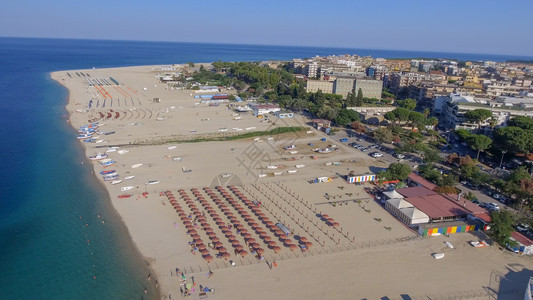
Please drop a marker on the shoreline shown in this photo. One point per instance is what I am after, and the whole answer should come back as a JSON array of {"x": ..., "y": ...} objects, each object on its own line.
[
  {"x": 111, "y": 209},
  {"x": 362, "y": 256}
]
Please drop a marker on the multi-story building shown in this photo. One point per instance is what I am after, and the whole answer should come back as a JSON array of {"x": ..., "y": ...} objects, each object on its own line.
[
  {"x": 369, "y": 87},
  {"x": 504, "y": 89},
  {"x": 397, "y": 81},
  {"x": 314, "y": 85},
  {"x": 455, "y": 106},
  {"x": 343, "y": 86}
]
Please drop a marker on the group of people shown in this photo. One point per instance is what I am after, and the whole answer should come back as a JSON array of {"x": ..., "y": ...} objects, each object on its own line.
[{"x": 187, "y": 290}]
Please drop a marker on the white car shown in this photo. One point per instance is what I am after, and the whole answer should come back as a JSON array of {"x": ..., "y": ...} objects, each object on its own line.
[
  {"x": 492, "y": 206},
  {"x": 399, "y": 156},
  {"x": 376, "y": 154}
]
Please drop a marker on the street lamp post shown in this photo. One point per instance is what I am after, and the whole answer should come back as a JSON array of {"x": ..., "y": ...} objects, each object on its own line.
[{"x": 503, "y": 153}]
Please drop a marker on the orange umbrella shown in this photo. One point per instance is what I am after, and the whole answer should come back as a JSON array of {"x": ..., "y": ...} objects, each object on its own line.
[
  {"x": 208, "y": 257},
  {"x": 243, "y": 253},
  {"x": 276, "y": 249},
  {"x": 293, "y": 247},
  {"x": 303, "y": 239}
]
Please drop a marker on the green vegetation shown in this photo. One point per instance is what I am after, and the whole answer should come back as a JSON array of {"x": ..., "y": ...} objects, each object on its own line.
[
  {"x": 396, "y": 171},
  {"x": 501, "y": 227},
  {"x": 278, "y": 130},
  {"x": 478, "y": 116}
]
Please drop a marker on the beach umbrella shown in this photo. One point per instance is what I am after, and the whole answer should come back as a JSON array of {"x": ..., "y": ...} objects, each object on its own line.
[
  {"x": 222, "y": 249},
  {"x": 240, "y": 227},
  {"x": 204, "y": 251},
  {"x": 238, "y": 247},
  {"x": 192, "y": 231},
  {"x": 208, "y": 229},
  {"x": 260, "y": 250},
  {"x": 212, "y": 234},
  {"x": 244, "y": 231},
  {"x": 293, "y": 247},
  {"x": 195, "y": 236},
  {"x": 243, "y": 253},
  {"x": 269, "y": 223},
  {"x": 255, "y": 245},
  {"x": 325, "y": 216},
  {"x": 276, "y": 249},
  {"x": 247, "y": 235},
  {"x": 231, "y": 237},
  {"x": 215, "y": 239},
  {"x": 197, "y": 241},
  {"x": 250, "y": 240},
  {"x": 226, "y": 255},
  {"x": 201, "y": 246},
  {"x": 208, "y": 258},
  {"x": 267, "y": 238},
  {"x": 303, "y": 239},
  {"x": 217, "y": 245},
  {"x": 336, "y": 224},
  {"x": 272, "y": 244},
  {"x": 234, "y": 243},
  {"x": 287, "y": 243},
  {"x": 228, "y": 233},
  {"x": 263, "y": 234}
]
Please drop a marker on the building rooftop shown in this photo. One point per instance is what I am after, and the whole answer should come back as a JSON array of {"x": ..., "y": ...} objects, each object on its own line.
[
  {"x": 416, "y": 191},
  {"x": 421, "y": 181},
  {"x": 437, "y": 206},
  {"x": 522, "y": 239}
]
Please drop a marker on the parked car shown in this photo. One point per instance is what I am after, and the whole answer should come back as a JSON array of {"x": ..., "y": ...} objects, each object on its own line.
[
  {"x": 376, "y": 154},
  {"x": 344, "y": 140},
  {"x": 399, "y": 156},
  {"x": 493, "y": 206}
]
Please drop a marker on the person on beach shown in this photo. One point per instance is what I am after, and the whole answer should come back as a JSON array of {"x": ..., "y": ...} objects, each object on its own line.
[
  {"x": 209, "y": 274},
  {"x": 181, "y": 290}
]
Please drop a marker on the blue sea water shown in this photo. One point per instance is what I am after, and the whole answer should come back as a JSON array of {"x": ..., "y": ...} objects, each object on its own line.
[{"x": 52, "y": 243}]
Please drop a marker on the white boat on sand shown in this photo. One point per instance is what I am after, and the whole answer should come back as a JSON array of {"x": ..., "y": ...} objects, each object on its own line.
[
  {"x": 129, "y": 177},
  {"x": 136, "y": 166},
  {"x": 127, "y": 188},
  {"x": 116, "y": 181}
]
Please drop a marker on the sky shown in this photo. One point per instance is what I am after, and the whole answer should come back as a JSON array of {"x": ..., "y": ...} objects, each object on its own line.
[{"x": 464, "y": 26}]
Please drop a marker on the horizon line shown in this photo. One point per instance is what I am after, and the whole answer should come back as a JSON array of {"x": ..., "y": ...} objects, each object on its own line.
[{"x": 274, "y": 45}]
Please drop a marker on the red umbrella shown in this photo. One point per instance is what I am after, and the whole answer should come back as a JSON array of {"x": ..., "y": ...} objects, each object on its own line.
[
  {"x": 238, "y": 247},
  {"x": 218, "y": 245},
  {"x": 260, "y": 250},
  {"x": 250, "y": 240},
  {"x": 272, "y": 244},
  {"x": 263, "y": 234},
  {"x": 244, "y": 231},
  {"x": 226, "y": 255},
  {"x": 269, "y": 223},
  {"x": 212, "y": 235},
  {"x": 247, "y": 235},
  {"x": 222, "y": 249},
  {"x": 192, "y": 232},
  {"x": 195, "y": 236},
  {"x": 267, "y": 238},
  {"x": 255, "y": 245},
  {"x": 208, "y": 257},
  {"x": 201, "y": 246},
  {"x": 325, "y": 216},
  {"x": 303, "y": 239},
  {"x": 231, "y": 237},
  {"x": 204, "y": 251},
  {"x": 197, "y": 241},
  {"x": 336, "y": 224},
  {"x": 293, "y": 247},
  {"x": 243, "y": 253},
  {"x": 308, "y": 245},
  {"x": 276, "y": 249},
  {"x": 234, "y": 243},
  {"x": 240, "y": 227},
  {"x": 215, "y": 239}
]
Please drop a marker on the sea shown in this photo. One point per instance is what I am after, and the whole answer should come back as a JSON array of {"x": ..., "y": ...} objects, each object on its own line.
[{"x": 60, "y": 237}]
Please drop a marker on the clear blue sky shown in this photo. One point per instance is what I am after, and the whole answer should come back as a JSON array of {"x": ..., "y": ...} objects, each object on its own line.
[{"x": 471, "y": 26}]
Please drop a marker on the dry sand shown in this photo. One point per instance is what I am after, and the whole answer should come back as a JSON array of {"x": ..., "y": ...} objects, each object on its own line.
[{"x": 369, "y": 255}]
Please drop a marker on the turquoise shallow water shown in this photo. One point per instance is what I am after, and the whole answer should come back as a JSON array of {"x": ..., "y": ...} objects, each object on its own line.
[{"x": 52, "y": 244}]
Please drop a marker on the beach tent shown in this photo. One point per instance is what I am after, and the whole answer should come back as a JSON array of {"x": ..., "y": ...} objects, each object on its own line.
[
  {"x": 414, "y": 216},
  {"x": 392, "y": 195}
]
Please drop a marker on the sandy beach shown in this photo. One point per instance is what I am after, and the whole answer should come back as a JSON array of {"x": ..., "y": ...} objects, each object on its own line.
[{"x": 357, "y": 249}]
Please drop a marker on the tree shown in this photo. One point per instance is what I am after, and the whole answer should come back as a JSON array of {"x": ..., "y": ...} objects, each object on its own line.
[
  {"x": 383, "y": 135},
  {"x": 408, "y": 103},
  {"x": 515, "y": 139},
  {"x": 417, "y": 120},
  {"x": 358, "y": 127},
  {"x": 479, "y": 143},
  {"x": 522, "y": 122},
  {"x": 359, "y": 98},
  {"x": 346, "y": 116},
  {"x": 431, "y": 156},
  {"x": 351, "y": 100},
  {"x": 432, "y": 121},
  {"x": 397, "y": 171},
  {"x": 478, "y": 116},
  {"x": 501, "y": 226}
]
